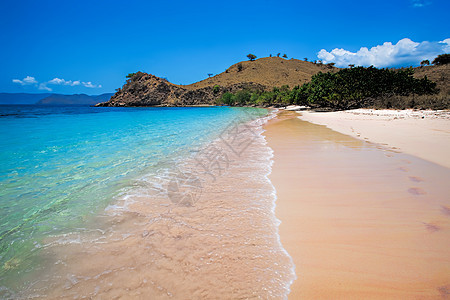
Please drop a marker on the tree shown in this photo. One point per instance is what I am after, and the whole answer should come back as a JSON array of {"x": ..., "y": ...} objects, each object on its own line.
[
  {"x": 425, "y": 62},
  {"x": 210, "y": 74},
  {"x": 228, "y": 98},
  {"x": 351, "y": 66},
  {"x": 278, "y": 54},
  {"x": 251, "y": 57},
  {"x": 284, "y": 55},
  {"x": 270, "y": 55},
  {"x": 130, "y": 75},
  {"x": 442, "y": 59},
  {"x": 305, "y": 59}
]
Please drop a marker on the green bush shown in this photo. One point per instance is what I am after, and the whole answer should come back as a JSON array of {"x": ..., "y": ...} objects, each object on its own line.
[
  {"x": 442, "y": 59},
  {"x": 227, "y": 98},
  {"x": 349, "y": 88}
]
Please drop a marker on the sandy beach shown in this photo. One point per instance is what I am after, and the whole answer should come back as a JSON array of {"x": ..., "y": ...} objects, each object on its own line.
[
  {"x": 425, "y": 134},
  {"x": 360, "y": 220}
]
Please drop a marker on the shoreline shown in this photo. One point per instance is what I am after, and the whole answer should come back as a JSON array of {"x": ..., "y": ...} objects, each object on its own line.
[
  {"x": 188, "y": 231},
  {"x": 421, "y": 133},
  {"x": 359, "y": 220}
]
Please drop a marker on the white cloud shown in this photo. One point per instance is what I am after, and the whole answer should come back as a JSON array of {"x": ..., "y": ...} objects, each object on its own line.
[
  {"x": 90, "y": 85},
  {"x": 29, "y": 80},
  {"x": 26, "y": 81},
  {"x": 43, "y": 86},
  {"x": 59, "y": 81},
  {"x": 404, "y": 52},
  {"x": 446, "y": 45}
]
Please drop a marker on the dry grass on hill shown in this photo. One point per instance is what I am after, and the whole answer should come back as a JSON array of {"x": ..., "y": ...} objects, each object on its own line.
[{"x": 268, "y": 71}]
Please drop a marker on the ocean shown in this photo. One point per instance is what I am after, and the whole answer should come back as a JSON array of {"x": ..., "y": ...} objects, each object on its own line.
[{"x": 138, "y": 202}]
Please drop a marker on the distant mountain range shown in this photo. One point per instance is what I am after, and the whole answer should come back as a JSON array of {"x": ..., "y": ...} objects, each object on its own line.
[{"x": 53, "y": 99}]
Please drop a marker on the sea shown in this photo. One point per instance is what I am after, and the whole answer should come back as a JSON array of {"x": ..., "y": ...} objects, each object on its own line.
[{"x": 143, "y": 203}]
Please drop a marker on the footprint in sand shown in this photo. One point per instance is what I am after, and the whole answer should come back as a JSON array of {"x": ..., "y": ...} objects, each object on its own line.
[
  {"x": 444, "y": 291},
  {"x": 445, "y": 210},
  {"x": 431, "y": 227},
  {"x": 404, "y": 169},
  {"x": 415, "y": 178},
  {"x": 416, "y": 191}
]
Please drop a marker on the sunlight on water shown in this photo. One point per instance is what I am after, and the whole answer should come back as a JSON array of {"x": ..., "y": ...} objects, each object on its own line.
[{"x": 61, "y": 165}]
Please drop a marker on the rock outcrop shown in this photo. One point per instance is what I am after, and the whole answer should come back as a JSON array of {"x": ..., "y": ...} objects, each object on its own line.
[{"x": 144, "y": 89}]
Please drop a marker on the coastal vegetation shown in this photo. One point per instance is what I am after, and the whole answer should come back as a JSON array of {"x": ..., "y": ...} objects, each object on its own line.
[
  {"x": 348, "y": 88},
  {"x": 442, "y": 59}
]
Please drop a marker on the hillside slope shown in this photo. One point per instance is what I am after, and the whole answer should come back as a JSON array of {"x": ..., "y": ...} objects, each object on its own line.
[
  {"x": 267, "y": 71},
  {"x": 438, "y": 74},
  {"x": 263, "y": 74}
]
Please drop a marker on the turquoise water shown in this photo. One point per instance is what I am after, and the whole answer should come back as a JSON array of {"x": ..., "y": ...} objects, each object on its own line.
[{"x": 61, "y": 165}]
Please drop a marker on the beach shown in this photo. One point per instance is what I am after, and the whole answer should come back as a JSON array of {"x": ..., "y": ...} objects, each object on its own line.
[
  {"x": 421, "y": 133},
  {"x": 361, "y": 220}
]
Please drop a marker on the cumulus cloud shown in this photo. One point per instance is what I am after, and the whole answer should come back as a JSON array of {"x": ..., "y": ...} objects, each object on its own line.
[
  {"x": 26, "y": 81},
  {"x": 55, "y": 81},
  {"x": 404, "y": 52},
  {"x": 60, "y": 81},
  {"x": 90, "y": 85}
]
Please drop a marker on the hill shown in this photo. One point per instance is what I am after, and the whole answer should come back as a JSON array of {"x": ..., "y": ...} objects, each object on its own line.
[
  {"x": 21, "y": 98},
  {"x": 439, "y": 74},
  {"x": 52, "y": 99},
  {"x": 76, "y": 99},
  {"x": 267, "y": 71},
  {"x": 144, "y": 89},
  {"x": 277, "y": 81}
]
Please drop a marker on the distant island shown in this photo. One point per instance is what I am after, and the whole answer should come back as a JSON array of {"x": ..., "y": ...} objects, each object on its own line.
[
  {"x": 276, "y": 81},
  {"x": 53, "y": 99}
]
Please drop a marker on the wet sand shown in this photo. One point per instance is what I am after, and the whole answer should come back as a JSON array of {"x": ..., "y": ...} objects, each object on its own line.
[
  {"x": 360, "y": 221},
  {"x": 421, "y": 133}
]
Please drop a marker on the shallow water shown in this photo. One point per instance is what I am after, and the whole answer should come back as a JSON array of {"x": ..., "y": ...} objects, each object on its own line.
[
  {"x": 166, "y": 203},
  {"x": 360, "y": 221}
]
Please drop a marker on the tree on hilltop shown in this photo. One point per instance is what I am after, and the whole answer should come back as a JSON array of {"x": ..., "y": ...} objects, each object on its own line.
[
  {"x": 284, "y": 55},
  {"x": 251, "y": 57},
  {"x": 442, "y": 59},
  {"x": 210, "y": 74},
  {"x": 425, "y": 62}
]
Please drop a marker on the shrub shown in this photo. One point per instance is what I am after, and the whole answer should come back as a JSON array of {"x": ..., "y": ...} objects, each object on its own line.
[
  {"x": 442, "y": 59},
  {"x": 216, "y": 89},
  {"x": 239, "y": 67},
  {"x": 425, "y": 62},
  {"x": 227, "y": 98}
]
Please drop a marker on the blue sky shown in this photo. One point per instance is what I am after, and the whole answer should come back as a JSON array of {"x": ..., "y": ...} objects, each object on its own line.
[{"x": 89, "y": 46}]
